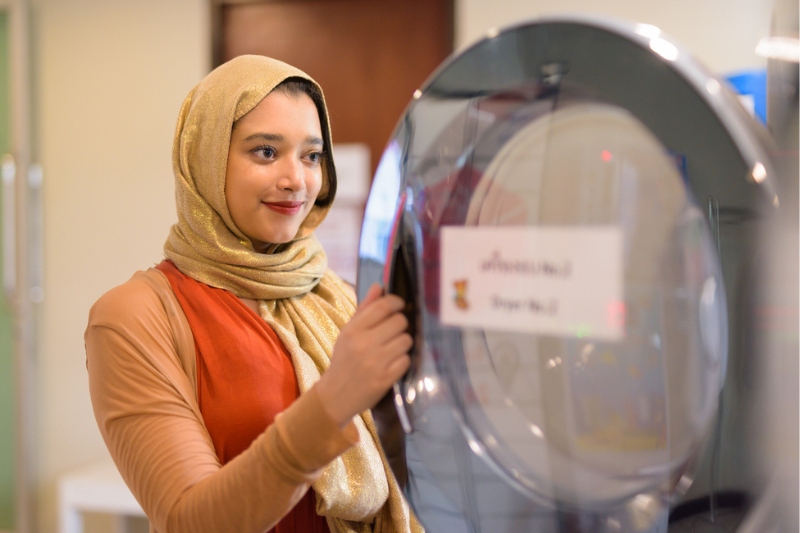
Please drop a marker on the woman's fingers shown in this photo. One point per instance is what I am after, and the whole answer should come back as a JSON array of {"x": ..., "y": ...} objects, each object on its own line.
[
  {"x": 375, "y": 308},
  {"x": 370, "y": 354},
  {"x": 373, "y": 293},
  {"x": 392, "y": 326},
  {"x": 398, "y": 367},
  {"x": 397, "y": 348}
]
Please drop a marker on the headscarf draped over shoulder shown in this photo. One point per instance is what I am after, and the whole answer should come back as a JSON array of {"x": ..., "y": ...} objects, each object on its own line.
[
  {"x": 205, "y": 242},
  {"x": 305, "y": 303}
]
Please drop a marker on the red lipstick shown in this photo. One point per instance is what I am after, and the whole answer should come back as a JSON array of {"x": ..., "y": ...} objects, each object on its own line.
[{"x": 285, "y": 208}]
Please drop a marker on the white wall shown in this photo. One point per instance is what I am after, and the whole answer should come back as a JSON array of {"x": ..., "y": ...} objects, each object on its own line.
[
  {"x": 110, "y": 76},
  {"x": 722, "y": 34}
]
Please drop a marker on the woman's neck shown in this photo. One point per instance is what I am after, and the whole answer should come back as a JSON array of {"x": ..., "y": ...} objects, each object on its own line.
[{"x": 252, "y": 304}]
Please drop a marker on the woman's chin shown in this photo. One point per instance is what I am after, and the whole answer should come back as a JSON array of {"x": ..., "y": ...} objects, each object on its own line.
[{"x": 268, "y": 247}]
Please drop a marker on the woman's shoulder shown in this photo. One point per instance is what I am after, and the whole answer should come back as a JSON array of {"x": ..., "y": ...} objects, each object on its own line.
[
  {"x": 142, "y": 289},
  {"x": 143, "y": 295},
  {"x": 142, "y": 315}
]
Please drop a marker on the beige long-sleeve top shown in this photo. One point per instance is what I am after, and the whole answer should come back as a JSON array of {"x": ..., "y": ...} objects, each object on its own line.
[{"x": 142, "y": 375}]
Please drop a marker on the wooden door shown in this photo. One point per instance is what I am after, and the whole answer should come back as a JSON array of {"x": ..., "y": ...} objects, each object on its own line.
[{"x": 369, "y": 56}]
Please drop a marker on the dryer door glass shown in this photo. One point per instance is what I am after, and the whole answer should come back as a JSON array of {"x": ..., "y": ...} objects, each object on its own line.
[{"x": 554, "y": 227}]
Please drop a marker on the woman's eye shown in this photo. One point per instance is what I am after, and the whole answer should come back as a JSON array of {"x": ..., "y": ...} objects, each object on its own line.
[
  {"x": 267, "y": 152},
  {"x": 315, "y": 157}
]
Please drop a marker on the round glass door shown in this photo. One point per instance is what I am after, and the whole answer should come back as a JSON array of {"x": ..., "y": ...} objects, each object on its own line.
[
  {"x": 573, "y": 404},
  {"x": 554, "y": 225}
]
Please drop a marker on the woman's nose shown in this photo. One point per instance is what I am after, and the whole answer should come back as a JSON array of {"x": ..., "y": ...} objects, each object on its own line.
[{"x": 292, "y": 175}]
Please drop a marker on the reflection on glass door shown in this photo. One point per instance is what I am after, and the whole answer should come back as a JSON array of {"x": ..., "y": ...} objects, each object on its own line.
[{"x": 7, "y": 396}]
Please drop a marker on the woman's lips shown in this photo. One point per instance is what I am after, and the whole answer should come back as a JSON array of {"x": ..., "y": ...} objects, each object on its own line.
[{"x": 285, "y": 208}]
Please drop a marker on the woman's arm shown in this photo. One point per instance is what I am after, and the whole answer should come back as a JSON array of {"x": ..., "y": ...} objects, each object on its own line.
[{"x": 145, "y": 406}]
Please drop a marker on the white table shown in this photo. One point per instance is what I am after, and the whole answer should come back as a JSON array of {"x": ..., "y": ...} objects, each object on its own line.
[{"x": 98, "y": 488}]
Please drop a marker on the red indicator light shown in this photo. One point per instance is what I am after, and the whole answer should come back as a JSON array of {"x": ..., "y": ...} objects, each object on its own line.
[{"x": 616, "y": 314}]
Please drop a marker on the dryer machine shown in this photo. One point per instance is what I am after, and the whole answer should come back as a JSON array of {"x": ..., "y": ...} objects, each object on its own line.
[{"x": 568, "y": 207}]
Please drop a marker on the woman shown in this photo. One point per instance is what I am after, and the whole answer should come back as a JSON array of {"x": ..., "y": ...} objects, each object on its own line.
[{"x": 237, "y": 373}]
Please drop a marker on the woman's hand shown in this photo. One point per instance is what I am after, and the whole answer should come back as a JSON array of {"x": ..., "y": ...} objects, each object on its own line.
[{"x": 369, "y": 356}]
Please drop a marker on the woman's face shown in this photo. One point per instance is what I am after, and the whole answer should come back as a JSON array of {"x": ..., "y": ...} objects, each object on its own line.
[{"x": 274, "y": 171}]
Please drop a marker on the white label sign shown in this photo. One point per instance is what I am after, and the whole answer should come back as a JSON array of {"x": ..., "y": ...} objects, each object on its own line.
[{"x": 564, "y": 281}]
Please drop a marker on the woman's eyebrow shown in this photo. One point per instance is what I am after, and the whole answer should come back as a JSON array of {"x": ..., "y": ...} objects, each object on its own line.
[
  {"x": 277, "y": 137},
  {"x": 274, "y": 137}
]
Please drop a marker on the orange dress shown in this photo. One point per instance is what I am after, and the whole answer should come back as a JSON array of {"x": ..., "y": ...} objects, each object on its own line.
[{"x": 244, "y": 378}]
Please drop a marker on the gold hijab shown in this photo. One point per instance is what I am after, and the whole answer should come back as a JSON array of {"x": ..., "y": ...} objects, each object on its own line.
[{"x": 304, "y": 302}]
